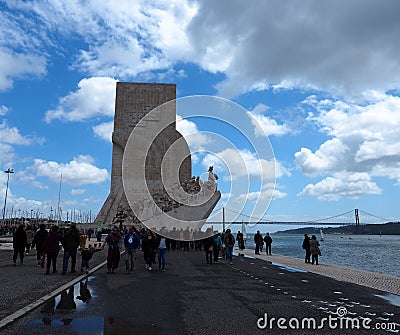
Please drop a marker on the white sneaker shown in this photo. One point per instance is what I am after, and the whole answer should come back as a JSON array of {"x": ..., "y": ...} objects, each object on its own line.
[{"x": 149, "y": 268}]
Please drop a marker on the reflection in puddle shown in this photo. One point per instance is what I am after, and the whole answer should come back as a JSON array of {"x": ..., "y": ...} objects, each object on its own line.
[
  {"x": 84, "y": 326},
  {"x": 393, "y": 299},
  {"x": 242, "y": 255},
  {"x": 61, "y": 309},
  {"x": 288, "y": 268}
]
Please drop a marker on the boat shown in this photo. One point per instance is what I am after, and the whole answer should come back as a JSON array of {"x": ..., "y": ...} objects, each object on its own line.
[{"x": 321, "y": 234}]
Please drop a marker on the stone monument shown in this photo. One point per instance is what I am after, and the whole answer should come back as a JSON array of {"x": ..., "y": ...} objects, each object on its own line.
[{"x": 151, "y": 164}]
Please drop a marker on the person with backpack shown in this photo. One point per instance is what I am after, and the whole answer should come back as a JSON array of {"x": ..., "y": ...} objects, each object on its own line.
[
  {"x": 217, "y": 246},
  {"x": 131, "y": 243},
  {"x": 268, "y": 244}
]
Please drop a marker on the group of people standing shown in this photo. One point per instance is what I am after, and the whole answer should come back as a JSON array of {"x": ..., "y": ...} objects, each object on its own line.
[
  {"x": 47, "y": 244},
  {"x": 311, "y": 247},
  {"x": 150, "y": 243},
  {"x": 259, "y": 241},
  {"x": 217, "y": 243}
]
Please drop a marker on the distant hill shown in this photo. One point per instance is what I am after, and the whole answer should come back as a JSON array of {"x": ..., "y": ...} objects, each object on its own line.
[{"x": 390, "y": 228}]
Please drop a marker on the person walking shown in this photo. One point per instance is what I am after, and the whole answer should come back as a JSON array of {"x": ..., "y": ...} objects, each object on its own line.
[
  {"x": 208, "y": 248},
  {"x": 258, "y": 240},
  {"x": 71, "y": 241},
  {"x": 217, "y": 246},
  {"x": 314, "y": 250},
  {"x": 131, "y": 243},
  {"x": 19, "y": 244},
  {"x": 87, "y": 254},
  {"x": 113, "y": 255},
  {"x": 240, "y": 240},
  {"x": 161, "y": 252},
  {"x": 29, "y": 238},
  {"x": 149, "y": 247},
  {"x": 38, "y": 242},
  {"x": 229, "y": 241},
  {"x": 268, "y": 244},
  {"x": 52, "y": 248},
  {"x": 306, "y": 247}
]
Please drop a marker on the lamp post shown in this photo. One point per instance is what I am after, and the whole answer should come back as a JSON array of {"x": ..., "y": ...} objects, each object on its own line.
[{"x": 8, "y": 171}]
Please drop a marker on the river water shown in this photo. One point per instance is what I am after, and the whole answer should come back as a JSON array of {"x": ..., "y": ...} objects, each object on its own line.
[{"x": 366, "y": 252}]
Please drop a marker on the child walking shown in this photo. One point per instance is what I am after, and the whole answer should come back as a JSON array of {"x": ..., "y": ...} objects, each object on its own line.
[{"x": 87, "y": 254}]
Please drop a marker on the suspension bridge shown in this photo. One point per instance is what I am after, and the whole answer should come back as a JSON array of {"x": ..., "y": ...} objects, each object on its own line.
[{"x": 352, "y": 217}]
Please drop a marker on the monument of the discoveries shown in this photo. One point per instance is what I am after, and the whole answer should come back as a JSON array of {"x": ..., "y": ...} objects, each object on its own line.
[{"x": 151, "y": 177}]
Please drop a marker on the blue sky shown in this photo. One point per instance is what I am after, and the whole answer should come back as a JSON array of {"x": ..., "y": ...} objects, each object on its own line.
[{"x": 320, "y": 78}]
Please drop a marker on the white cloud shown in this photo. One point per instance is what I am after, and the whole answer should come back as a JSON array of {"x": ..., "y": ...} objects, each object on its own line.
[
  {"x": 95, "y": 97},
  {"x": 365, "y": 139},
  {"x": 9, "y": 138},
  {"x": 263, "y": 196},
  {"x": 104, "y": 130},
  {"x": 79, "y": 171},
  {"x": 16, "y": 66},
  {"x": 77, "y": 191},
  {"x": 195, "y": 138},
  {"x": 264, "y": 125},
  {"x": 344, "y": 48},
  {"x": 3, "y": 110},
  {"x": 364, "y": 136},
  {"x": 123, "y": 39},
  {"x": 243, "y": 163},
  {"x": 329, "y": 157},
  {"x": 11, "y": 135},
  {"x": 342, "y": 185}
]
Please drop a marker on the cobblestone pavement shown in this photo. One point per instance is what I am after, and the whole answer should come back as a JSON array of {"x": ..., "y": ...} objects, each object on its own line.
[{"x": 373, "y": 280}]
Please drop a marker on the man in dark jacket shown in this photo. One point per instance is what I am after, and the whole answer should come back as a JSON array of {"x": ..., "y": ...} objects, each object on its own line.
[
  {"x": 258, "y": 240},
  {"x": 39, "y": 240},
  {"x": 306, "y": 247},
  {"x": 70, "y": 244},
  {"x": 19, "y": 243},
  {"x": 268, "y": 243}
]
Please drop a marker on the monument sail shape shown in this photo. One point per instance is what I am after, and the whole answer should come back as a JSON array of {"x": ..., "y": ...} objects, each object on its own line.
[{"x": 151, "y": 164}]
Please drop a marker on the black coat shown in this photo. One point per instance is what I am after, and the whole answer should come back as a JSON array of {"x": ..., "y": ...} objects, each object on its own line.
[
  {"x": 40, "y": 238},
  {"x": 19, "y": 239}
]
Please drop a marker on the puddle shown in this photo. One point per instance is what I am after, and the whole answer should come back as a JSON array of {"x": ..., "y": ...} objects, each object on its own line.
[
  {"x": 242, "y": 255},
  {"x": 84, "y": 326},
  {"x": 61, "y": 309},
  {"x": 393, "y": 299},
  {"x": 288, "y": 268}
]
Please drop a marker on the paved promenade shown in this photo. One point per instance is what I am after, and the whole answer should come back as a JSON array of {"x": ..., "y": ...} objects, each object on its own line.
[
  {"x": 191, "y": 297},
  {"x": 377, "y": 281}
]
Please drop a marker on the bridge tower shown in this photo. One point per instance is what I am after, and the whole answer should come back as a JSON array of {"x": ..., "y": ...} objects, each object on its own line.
[{"x": 357, "y": 219}]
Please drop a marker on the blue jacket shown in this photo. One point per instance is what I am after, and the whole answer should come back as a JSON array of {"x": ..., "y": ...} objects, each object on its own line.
[{"x": 131, "y": 241}]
